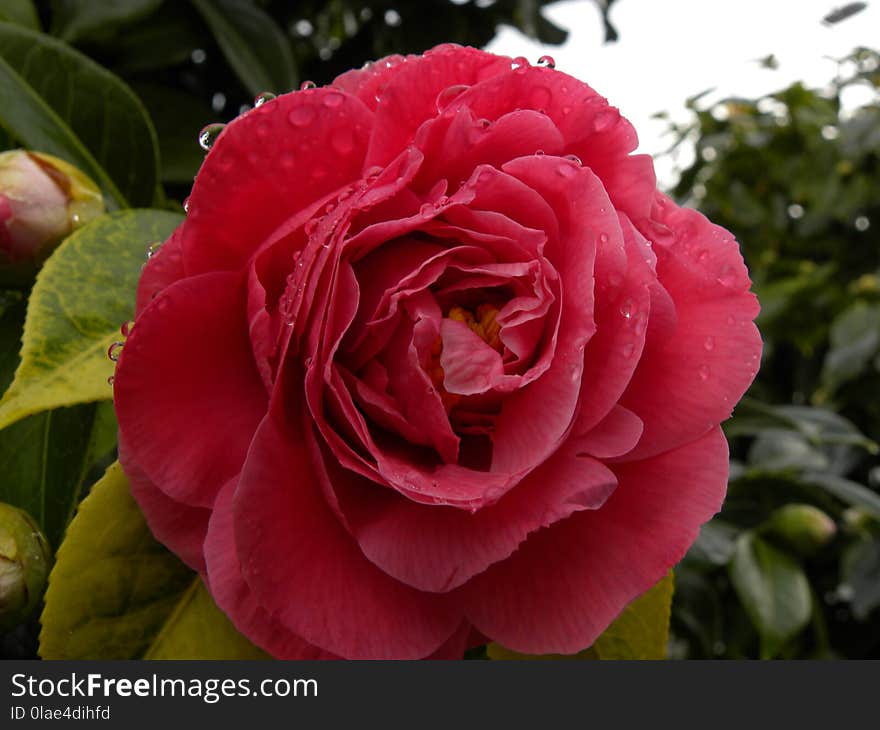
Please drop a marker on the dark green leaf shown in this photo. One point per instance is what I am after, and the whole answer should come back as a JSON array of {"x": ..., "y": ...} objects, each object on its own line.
[
  {"x": 20, "y": 12},
  {"x": 253, "y": 44},
  {"x": 55, "y": 100},
  {"x": 773, "y": 590},
  {"x": 44, "y": 460},
  {"x": 863, "y": 578},
  {"x": 76, "y": 20},
  {"x": 855, "y": 339},
  {"x": 848, "y": 491}
]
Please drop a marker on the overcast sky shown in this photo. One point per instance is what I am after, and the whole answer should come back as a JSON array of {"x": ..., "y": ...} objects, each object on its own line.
[{"x": 671, "y": 49}]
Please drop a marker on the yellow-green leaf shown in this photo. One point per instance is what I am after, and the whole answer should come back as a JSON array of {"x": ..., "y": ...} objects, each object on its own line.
[
  {"x": 641, "y": 631},
  {"x": 85, "y": 291},
  {"x": 116, "y": 593}
]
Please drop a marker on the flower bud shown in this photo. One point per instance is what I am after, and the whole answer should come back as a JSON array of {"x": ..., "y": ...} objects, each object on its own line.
[
  {"x": 42, "y": 200},
  {"x": 802, "y": 527},
  {"x": 24, "y": 566}
]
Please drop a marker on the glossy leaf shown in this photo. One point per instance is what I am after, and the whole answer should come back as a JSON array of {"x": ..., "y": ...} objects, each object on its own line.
[
  {"x": 44, "y": 460},
  {"x": 54, "y": 99},
  {"x": 772, "y": 588},
  {"x": 85, "y": 291},
  {"x": 116, "y": 593},
  {"x": 21, "y": 12},
  {"x": 74, "y": 20},
  {"x": 641, "y": 631},
  {"x": 255, "y": 47}
]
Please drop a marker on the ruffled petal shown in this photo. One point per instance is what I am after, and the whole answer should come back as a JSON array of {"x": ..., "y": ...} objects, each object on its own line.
[{"x": 563, "y": 587}]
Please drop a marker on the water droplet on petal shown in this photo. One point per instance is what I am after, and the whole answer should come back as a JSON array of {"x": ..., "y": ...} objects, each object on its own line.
[
  {"x": 627, "y": 308},
  {"x": 209, "y": 135},
  {"x": 302, "y": 116},
  {"x": 114, "y": 350},
  {"x": 705, "y": 372},
  {"x": 604, "y": 119},
  {"x": 484, "y": 123},
  {"x": 702, "y": 256},
  {"x": 186, "y": 204},
  {"x": 426, "y": 210},
  {"x": 575, "y": 159},
  {"x": 731, "y": 320},
  {"x": 111, "y": 380},
  {"x": 333, "y": 100},
  {"x": 262, "y": 98},
  {"x": 547, "y": 62},
  {"x": 539, "y": 153},
  {"x": 520, "y": 63},
  {"x": 448, "y": 95},
  {"x": 126, "y": 328},
  {"x": 709, "y": 344},
  {"x": 153, "y": 248},
  {"x": 603, "y": 238},
  {"x": 306, "y": 85},
  {"x": 728, "y": 276},
  {"x": 628, "y": 350}
]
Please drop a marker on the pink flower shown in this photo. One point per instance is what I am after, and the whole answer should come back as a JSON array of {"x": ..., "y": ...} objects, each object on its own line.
[
  {"x": 432, "y": 358},
  {"x": 42, "y": 200}
]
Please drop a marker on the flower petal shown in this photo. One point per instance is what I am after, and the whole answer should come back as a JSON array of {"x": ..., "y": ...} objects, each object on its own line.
[
  {"x": 563, "y": 587},
  {"x": 308, "y": 571},
  {"x": 188, "y": 395}
]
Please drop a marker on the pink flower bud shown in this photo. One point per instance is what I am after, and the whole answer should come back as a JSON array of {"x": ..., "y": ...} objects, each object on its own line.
[{"x": 42, "y": 200}]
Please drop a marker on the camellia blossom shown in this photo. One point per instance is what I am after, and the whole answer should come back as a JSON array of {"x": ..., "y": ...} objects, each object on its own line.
[{"x": 431, "y": 362}]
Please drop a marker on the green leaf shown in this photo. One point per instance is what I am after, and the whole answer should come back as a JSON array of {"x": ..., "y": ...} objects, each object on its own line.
[
  {"x": 772, "y": 588},
  {"x": 854, "y": 340},
  {"x": 641, "y": 631},
  {"x": 75, "y": 20},
  {"x": 82, "y": 295},
  {"x": 847, "y": 491},
  {"x": 178, "y": 117},
  {"x": 253, "y": 44},
  {"x": 44, "y": 460},
  {"x": 56, "y": 100},
  {"x": 116, "y": 593},
  {"x": 21, "y": 12}
]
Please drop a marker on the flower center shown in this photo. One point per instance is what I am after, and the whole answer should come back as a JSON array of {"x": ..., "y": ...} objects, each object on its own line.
[{"x": 481, "y": 322}]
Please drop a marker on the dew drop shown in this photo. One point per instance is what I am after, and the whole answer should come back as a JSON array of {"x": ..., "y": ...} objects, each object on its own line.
[
  {"x": 302, "y": 116},
  {"x": 306, "y": 85},
  {"x": 154, "y": 247},
  {"x": 111, "y": 380},
  {"x": 426, "y": 210},
  {"x": 705, "y": 372},
  {"x": 709, "y": 344},
  {"x": 575, "y": 159},
  {"x": 547, "y": 62},
  {"x": 114, "y": 350},
  {"x": 333, "y": 100},
  {"x": 126, "y": 327},
  {"x": 520, "y": 63},
  {"x": 186, "y": 204},
  {"x": 628, "y": 350},
  {"x": 604, "y": 119},
  {"x": 262, "y": 98},
  {"x": 627, "y": 309},
  {"x": 702, "y": 256},
  {"x": 208, "y": 135},
  {"x": 448, "y": 95},
  {"x": 728, "y": 276},
  {"x": 539, "y": 153},
  {"x": 731, "y": 320},
  {"x": 603, "y": 238},
  {"x": 484, "y": 123}
]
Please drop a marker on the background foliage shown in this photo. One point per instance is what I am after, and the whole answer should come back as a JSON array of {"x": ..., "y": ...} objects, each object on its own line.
[{"x": 790, "y": 568}]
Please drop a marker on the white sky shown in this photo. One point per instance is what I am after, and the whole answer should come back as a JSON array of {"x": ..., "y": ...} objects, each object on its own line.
[{"x": 672, "y": 49}]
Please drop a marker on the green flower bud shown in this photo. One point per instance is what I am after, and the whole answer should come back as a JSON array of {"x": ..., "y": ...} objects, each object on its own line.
[
  {"x": 802, "y": 527},
  {"x": 42, "y": 200},
  {"x": 24, "y": 566}
]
